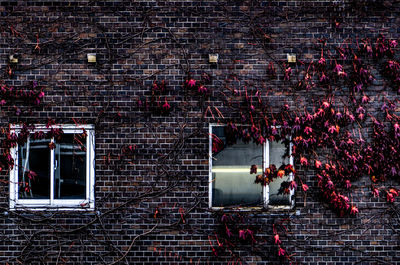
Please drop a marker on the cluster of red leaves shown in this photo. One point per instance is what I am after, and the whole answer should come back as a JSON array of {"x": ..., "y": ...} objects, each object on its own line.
[
  {"x": 272, "y": 172},
  {"x": 276, "y": 229},
  {"x": 200, "y": 86},
  {"x": 233, "y": 232},
  {"x": 129, "y": 150},
  {"x": 217, "y": 144},
  {"x": 12, "y": 139},
  {"x": 329, "y": 128},
  {"x": 382, "y": 154},
  {"x": 158, "y": 101},
  {"x": 32, "y": 95},
  {"x": 345, "y": 68},
  {"x": 392, "y": 72}
]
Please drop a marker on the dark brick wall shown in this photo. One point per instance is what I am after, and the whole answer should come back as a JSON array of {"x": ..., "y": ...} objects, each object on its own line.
[{"x": 138, "y": 42}]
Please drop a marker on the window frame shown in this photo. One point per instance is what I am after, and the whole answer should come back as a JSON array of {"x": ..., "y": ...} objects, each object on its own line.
[
  {"x": 265, "y": 162},
  {"x": 56, "y": 204}
]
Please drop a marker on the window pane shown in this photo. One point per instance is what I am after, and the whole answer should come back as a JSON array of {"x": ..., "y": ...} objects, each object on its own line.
[
  {"x": 233, "y": 185},
  {"x": 276, "y": 152},
  {"x": 34, "y": 170},
  {"x": 70, "y": 170}
]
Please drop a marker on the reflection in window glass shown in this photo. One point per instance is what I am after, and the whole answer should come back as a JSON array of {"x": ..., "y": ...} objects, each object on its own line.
[
  {"x": 233, "y": 185},
  {"x": 34, "y": 169},
  {"x": 70, "y": 170}
]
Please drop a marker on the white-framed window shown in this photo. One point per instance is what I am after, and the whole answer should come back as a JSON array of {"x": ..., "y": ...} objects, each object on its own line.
[
  {"x": 230, "y": 181},
  {"x": 54, "y": 172}
]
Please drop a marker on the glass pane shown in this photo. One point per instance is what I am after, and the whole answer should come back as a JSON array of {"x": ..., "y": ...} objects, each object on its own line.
[
  {"x": 276, "y": 152},
  {"x": 233, "y": 185},
  {"x": 34, "y": 169},
  {"x": 70, "y": 167}
]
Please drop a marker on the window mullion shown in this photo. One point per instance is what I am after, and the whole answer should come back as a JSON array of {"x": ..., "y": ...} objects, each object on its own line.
[
  {"x": 210, "y": 154},
  {"x": 291, "y": 174},
  {"x": 52, "y": 169},
  {"x": 14, "y": 178},
  {"x": 88, "y": 157},
  {"x": 265, "y": 166}
]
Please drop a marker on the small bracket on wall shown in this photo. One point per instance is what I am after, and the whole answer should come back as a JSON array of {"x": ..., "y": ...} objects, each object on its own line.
[
  {"x": 213, "y": 58},
  {"x": 91, "y": 57},
  {"x": 13, "y": 58},
  {"x": 291, "y": 57}
]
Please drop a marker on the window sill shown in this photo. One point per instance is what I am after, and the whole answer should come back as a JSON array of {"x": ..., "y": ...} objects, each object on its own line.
[
  {"x": 270, "y": 208},
  {"x": 51, "y": 209},
  {"x": 46, "y": 207}
]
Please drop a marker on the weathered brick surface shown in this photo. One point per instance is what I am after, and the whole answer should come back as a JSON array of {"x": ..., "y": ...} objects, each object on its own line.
[{"x": 138, "y": 42}]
